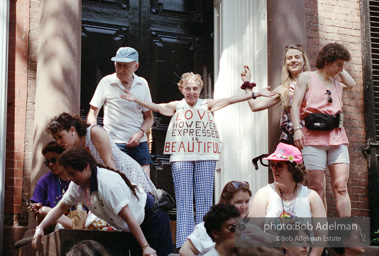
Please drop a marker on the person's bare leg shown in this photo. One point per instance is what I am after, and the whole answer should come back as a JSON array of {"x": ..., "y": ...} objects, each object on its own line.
[
  {"x": 316, "y": 181},
  {"x": 339, "y": 174}
]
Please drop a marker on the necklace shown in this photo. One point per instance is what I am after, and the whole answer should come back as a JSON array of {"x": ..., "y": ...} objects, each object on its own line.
[
  {"x": 287, "y": 216},
  {"x": 85, "y": 190},
  {"x": 292, "y": 196},
  {"x": 62, "y": 189}
]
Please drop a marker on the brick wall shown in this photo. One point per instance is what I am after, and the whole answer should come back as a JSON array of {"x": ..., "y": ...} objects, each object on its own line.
[
  {"x": 29, "y": 118},
  {"x": 16, "y": 111},
  {"x": 339, "y": 21}
]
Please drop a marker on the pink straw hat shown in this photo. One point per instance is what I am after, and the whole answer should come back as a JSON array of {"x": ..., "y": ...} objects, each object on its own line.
[{"x": 286, "y": 152}]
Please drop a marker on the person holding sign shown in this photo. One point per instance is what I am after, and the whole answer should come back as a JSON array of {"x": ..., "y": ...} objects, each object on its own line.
[{"x": 193, "y": 141}]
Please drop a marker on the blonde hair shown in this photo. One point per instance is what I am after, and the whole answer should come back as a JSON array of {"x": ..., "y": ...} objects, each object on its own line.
[
  {"x": 286, "y": 75},
  {"x": 186, "y": 77}
]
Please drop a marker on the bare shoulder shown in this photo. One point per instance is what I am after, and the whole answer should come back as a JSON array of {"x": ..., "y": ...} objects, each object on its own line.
[
  {"x": 263, "y": 193},
  {"x": 312, "y": 193},
  {"x": 97, "y": 130},
  {"x": 313, "y": 197},
  {"x": 258, "y": 205},
  {"x": 305, "y": 76}
]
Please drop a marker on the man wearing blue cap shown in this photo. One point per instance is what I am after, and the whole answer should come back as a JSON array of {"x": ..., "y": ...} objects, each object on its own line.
[{"x": 126, "y": 122}]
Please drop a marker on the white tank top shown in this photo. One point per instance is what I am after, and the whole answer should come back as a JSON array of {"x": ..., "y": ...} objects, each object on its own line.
[{"x": 298, "y": 208}]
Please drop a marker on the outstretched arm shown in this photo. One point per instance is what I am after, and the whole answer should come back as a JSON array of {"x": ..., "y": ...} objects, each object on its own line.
[
  {"x": 40, "y": 213},
  {"x": 261, "y": 103},
  {"x": 215, "y": 105},
  {"x": 50, "y": 219},
  {"x": 166, "y": 109},
  {"x": 136, "y": 230}
]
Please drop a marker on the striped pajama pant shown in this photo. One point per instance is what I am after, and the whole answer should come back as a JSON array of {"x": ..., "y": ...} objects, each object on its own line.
[{"x": 192, "y": 178}]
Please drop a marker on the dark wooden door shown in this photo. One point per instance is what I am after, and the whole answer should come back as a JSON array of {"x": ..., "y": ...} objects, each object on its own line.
[
  {"x": 370, "y": 49},
  {"x": 171, "y": 36}
]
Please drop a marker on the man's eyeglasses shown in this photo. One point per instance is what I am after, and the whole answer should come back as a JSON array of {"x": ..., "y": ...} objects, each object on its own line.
[
  {"x": 238, "y": 184},
  {"x": 53, "y": 160},
  {"x": 278, "y": 166},
  {"x": 232, "y": 228},
  {"x": 330, "y": 100}
]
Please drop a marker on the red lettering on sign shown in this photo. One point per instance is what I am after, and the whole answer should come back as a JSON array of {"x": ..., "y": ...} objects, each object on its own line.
[
  {"x": 172, "y": 147},
  {"x": 182, "y": 147},
  {"x": 186, "y": 116},
  {"x": 201, "y": 117}
]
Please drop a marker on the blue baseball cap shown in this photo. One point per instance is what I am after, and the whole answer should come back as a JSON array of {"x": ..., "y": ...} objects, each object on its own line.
[{"x": 126, "y": 54}]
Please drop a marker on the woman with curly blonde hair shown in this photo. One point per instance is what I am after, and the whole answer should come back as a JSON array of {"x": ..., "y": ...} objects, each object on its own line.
[{"x": 294, "y": 63}]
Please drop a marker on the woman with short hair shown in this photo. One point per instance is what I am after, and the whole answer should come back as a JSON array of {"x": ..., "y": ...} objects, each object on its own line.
[{"x": 323, "y": 141}]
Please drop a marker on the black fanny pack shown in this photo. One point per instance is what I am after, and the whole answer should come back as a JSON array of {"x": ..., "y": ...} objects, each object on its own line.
[{"x": 322, "y": 122}]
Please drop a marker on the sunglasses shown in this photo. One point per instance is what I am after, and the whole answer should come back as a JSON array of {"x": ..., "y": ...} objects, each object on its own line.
[
  {"x": 232, "y": 228},
  {"x": 292, "y": 46},
  {"x": 238, "y": 184},
  {"x": 53, "y": 160},
  {"x": 330, "y": 100},
  {"x": 278, "y": 166}
]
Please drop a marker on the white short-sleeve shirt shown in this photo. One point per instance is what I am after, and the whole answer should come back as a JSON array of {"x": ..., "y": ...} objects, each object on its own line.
[
  {"x": 200, "y": 239},
  {"x": 122, "y": 118},
  {"x": 112, "y": 196}
]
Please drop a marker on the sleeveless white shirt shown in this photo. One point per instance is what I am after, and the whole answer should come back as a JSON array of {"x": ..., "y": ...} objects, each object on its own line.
[{"x": 299, "y": 207}]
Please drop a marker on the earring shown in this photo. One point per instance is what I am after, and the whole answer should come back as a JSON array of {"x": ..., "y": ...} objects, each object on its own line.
[{"x": 73, "y": 133}]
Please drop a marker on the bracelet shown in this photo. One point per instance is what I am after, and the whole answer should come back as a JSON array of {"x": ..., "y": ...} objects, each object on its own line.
[
  {"x": 253, "y": 96},
  {"x": 145, "y": 245},
  {"x": 38, "y": 227},
  {"x": 247, "y": 84},
  {"x": 142, "y": 130},
  {"x": 297, "y": 128}
]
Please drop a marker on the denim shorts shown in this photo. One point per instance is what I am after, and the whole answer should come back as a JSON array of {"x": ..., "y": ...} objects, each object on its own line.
[
  {"x": 319, "y": 157},
  {"x": 140, "y": 153}
]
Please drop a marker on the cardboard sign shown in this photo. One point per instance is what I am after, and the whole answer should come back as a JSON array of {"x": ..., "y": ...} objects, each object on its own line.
[{"x": 192, "y": 131}]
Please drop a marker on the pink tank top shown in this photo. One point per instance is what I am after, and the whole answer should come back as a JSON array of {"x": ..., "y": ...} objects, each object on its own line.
[{"x": 316, "y": 101}]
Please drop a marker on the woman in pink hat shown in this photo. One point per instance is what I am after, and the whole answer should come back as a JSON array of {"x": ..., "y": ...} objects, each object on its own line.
[{"x": 286, "y": 198}]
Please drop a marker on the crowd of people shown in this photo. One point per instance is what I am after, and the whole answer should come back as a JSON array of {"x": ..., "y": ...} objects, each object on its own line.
[{"x": 106, "y": 169}]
